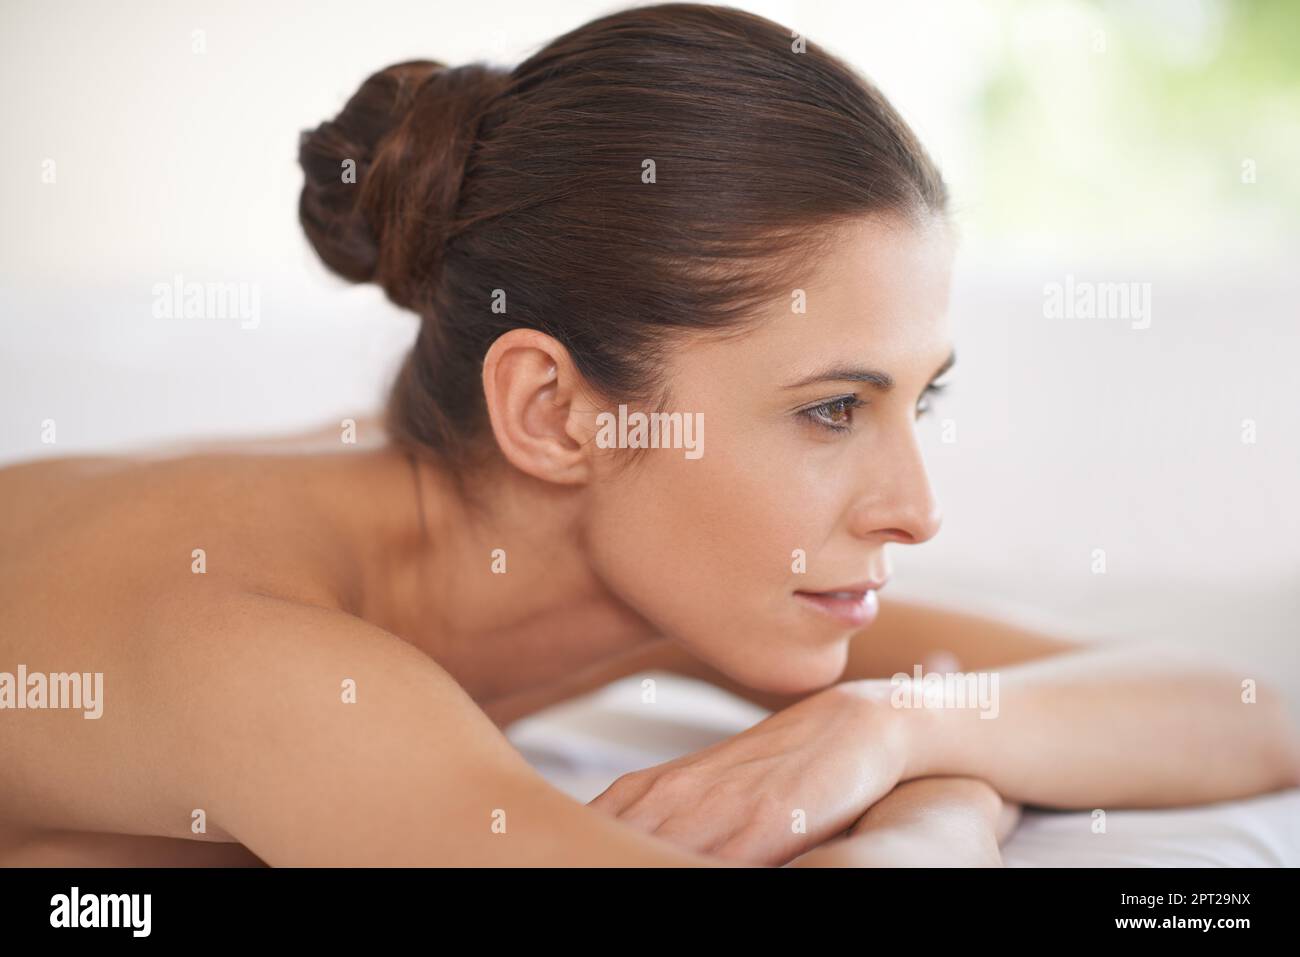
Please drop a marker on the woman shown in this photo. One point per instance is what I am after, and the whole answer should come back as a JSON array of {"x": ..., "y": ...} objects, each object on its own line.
[{"x": 304, "y": 653}]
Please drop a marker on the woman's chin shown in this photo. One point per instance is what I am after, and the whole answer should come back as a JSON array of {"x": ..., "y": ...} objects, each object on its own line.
[{"x": 795, "y": 671}]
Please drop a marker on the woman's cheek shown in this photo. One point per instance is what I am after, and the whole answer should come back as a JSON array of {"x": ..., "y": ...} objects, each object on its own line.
[{"x": 668, "y": 535}]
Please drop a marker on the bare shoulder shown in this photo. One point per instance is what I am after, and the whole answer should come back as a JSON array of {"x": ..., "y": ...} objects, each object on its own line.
[
  {"x": 229, "y": 708},
  {"x": 292, "y": 686},
  {"x": 312, "y": 738},
  {"x": 306, "y": 735}
]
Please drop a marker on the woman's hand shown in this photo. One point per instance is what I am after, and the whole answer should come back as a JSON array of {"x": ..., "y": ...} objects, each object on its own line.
[
  {"x": 925, "y": 822},
  {"x": 795, "y": 779}
]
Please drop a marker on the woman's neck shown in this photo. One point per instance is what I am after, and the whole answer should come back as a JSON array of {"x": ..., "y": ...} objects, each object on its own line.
[{"x": 502, "y": 596}]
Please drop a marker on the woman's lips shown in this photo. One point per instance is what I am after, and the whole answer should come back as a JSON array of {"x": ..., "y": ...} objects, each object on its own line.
[{"x": 856, "y": 608}]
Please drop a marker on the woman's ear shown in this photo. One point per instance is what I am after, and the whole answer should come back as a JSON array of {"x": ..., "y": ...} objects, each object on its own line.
[{"x": 536, "y": 405}]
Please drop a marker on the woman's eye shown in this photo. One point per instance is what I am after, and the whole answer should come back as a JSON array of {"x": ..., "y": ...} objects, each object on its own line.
[{"x": 836, "y": 415}]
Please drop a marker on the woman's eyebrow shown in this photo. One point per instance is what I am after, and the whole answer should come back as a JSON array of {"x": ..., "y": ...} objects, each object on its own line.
[{"x": 880, "y": 381}]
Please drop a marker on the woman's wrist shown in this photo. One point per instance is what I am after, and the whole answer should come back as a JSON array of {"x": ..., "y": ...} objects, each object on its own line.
[
  {"x": 911, "y": 733},
  {"x": 933, "y": 739}
]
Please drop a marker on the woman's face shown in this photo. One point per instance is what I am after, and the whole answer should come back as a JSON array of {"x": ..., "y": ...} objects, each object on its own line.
[{"x": 810, "y": 466}]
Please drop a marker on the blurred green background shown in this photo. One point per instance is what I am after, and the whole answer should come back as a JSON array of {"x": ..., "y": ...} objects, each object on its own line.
[{"x": 1173, "y": 122}]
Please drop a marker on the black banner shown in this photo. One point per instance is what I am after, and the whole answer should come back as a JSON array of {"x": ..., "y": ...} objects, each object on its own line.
[{"x": 329, "y": 906}]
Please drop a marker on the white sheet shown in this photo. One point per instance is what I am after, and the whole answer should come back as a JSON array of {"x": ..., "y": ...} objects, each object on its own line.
[{"x": 581, "y": 746}]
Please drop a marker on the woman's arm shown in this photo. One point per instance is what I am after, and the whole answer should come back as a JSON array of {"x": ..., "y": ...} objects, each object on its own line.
[
  {"x": 1080, "y": 724},
  {"x": 1137, "y": 726},
  {"x": 1133, "y": 726},
  {"x": 926, "y": 822}
]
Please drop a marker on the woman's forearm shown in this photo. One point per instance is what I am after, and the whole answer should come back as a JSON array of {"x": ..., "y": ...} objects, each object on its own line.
[
  {"x": 926, "y": 822},
  {"x": 941, "y": 801},
  {"x": 1146, "y": 726}
]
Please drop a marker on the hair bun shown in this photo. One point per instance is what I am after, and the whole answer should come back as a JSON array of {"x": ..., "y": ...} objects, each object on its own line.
[{"x": 385, "y": 216}]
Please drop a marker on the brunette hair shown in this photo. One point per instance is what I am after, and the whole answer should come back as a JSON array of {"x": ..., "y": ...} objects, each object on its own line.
[{"x": 486, "y": 200}]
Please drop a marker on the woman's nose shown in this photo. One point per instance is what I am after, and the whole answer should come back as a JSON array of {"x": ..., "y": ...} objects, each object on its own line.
[{"x": 898, "y": 503}]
